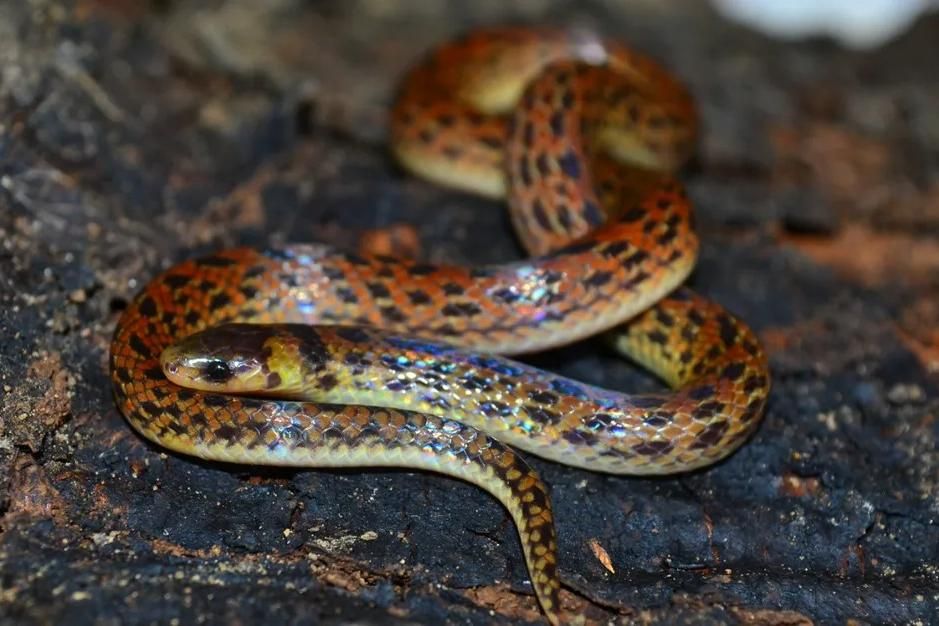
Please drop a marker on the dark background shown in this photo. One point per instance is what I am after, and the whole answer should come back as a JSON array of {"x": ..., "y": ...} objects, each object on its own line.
[{"x": 134, "y": 135}]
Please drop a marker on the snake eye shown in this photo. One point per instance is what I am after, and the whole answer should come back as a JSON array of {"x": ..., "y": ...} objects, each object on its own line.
[{"x": 217, "y": 371}]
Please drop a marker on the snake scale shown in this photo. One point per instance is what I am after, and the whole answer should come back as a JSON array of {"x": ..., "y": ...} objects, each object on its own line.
[{"x": 313, "y": 357}]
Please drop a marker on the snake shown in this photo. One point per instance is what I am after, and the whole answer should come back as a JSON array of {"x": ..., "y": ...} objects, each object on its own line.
[{"x": 310, "y": 356}]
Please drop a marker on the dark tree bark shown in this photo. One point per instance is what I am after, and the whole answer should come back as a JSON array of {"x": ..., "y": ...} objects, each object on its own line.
[{"x": 134, "y": 135}]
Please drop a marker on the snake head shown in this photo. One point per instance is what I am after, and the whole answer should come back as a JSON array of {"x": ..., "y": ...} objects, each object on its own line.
[{"x": 231, "y": 358}]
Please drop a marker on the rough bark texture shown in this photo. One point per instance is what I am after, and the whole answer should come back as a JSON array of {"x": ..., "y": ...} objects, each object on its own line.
[{"x": 134, "y": 135}]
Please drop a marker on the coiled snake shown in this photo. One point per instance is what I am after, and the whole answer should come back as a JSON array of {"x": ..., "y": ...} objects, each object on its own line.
[{"x": 580, "y": 135}]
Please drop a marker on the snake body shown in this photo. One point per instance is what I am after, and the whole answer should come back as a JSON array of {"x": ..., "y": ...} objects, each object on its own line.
[{"x": 580, "y": 134}]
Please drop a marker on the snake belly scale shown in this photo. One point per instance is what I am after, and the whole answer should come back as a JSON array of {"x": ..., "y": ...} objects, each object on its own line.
[{"x": 309, "y": 356}]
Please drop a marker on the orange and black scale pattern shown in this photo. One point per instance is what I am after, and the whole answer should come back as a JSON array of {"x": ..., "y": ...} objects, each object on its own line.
[
  {"x": 709, "y": 415},
  {"x": 584, "y": 158}
]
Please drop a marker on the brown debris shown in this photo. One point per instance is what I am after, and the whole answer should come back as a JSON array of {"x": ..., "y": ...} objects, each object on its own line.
[
  {"x": 39, "y": 404},
  {"x": 853, "y": 170},
  {"x": 873, "y": 257},
  {"x": 764, "y": 617},
  {"x": 397, "y": 240},
  {"x": 796, "y": 486},
  {"x": 602, "y": 555},
  {"x": 501, "y": 600},
  {"x": 32, "y": 494}
]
